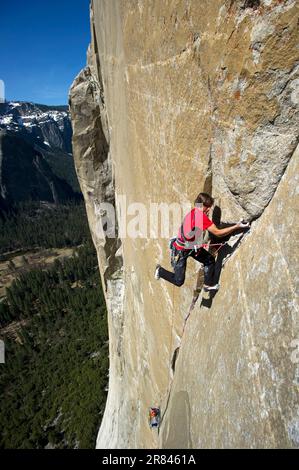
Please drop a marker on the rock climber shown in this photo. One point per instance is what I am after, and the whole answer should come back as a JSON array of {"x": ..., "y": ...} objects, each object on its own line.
[{"x": 189, "y": 240}]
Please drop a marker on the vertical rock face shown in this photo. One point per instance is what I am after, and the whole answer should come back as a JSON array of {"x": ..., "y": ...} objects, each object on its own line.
[{"x": 180, "y": 97}]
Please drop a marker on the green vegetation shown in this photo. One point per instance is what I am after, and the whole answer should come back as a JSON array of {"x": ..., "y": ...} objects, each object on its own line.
[
  {"x": 54, "y": 326},
  {"x": 34, "y": 224}
]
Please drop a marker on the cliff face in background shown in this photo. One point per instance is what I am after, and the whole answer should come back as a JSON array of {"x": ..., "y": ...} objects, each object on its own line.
[{"x": 180, "y": 97}]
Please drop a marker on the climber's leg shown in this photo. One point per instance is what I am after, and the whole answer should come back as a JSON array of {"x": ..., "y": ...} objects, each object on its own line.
[
  {"x": 178, "y": 277},
  {"x": 208, "y": 261}
]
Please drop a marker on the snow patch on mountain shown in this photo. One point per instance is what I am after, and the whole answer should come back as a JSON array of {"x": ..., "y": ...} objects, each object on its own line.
[{"x": 51, "y": 124}]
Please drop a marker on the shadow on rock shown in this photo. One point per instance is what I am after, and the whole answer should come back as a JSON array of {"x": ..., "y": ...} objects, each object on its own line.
[
  {"x": 176, "y": 428},
  {"x": 223, "y": 254}
]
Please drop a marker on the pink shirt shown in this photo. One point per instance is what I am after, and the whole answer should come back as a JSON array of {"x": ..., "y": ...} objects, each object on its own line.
[{"x": 195, "y": 222}]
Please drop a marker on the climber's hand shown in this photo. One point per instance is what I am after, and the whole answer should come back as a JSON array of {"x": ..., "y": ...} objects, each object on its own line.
[{"x": 243, "y": 224}]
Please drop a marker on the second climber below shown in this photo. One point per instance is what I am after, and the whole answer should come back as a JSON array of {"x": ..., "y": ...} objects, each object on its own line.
[{"x": 186, "y": 244}]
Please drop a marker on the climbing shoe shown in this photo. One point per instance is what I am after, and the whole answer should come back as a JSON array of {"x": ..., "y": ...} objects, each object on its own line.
[
  {"x": 211, "y": 288},
  {"x": 157, "y": 272}
]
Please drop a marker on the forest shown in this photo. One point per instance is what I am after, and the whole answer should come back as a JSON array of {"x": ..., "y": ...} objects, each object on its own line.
[
  {"x": 53, "y": 384},
  {"x": 34, "y": 224}
]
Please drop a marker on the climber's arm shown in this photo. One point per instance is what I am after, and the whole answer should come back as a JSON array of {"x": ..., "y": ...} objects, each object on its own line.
[{"x": 222, "y": 232}]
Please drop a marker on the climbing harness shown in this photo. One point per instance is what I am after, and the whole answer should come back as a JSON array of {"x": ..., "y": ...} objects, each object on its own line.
[{"x": 176, "y": 254}]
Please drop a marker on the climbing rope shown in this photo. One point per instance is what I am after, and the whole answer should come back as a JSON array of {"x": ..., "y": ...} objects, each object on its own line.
[
  {"x": 196, "y": 294},
  {"x": 198, "y": 289},
  {"x": 170, "y": 350}
]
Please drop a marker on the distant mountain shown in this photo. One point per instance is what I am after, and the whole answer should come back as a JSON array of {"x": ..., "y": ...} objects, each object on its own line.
[{"x": 36, "y": 159}]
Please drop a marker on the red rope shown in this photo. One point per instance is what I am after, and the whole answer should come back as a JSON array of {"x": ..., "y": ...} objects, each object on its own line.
[
  {"x": 212, "y": 244},
  {"x": 208, "y": 245}
]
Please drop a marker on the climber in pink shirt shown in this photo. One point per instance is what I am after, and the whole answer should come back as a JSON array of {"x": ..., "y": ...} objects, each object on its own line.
[{"x": 189, "y": 241}]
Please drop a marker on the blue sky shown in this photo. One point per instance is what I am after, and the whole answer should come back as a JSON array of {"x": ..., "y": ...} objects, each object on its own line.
[{"x": 43, "y": 48}]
